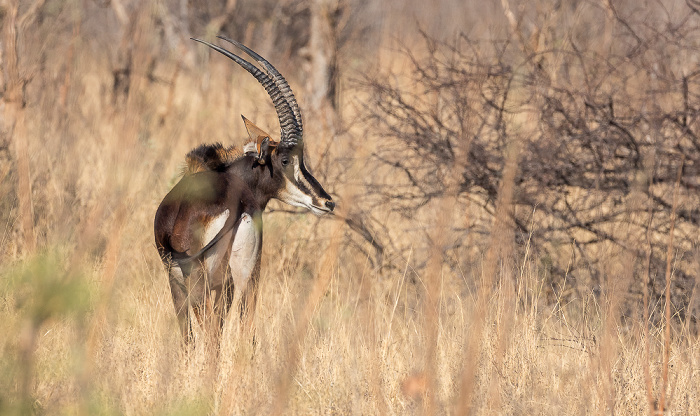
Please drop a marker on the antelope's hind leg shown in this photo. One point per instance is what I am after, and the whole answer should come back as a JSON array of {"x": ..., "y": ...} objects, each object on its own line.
[{"x": 178, "y": 290}]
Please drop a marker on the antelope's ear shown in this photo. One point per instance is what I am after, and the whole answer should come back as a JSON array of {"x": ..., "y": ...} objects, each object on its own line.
[
  {"x": 259, "y": 145},
  {"x": 255, "y": 133}
]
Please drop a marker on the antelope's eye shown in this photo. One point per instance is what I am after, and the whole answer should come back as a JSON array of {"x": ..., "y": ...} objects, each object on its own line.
[{"x": 285, "y": 162}]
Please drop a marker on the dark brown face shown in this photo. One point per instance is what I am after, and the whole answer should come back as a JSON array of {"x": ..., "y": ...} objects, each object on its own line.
[{"x": 300, "y": 188}]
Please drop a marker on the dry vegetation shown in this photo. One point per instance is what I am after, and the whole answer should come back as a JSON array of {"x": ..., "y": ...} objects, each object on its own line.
[{"x": 517, "y": 207}]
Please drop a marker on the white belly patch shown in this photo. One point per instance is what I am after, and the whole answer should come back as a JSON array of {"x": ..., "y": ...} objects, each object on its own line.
[{"x": 215, "y": 225}]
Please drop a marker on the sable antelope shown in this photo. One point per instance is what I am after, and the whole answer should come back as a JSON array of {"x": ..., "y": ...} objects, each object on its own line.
[{"x": 208, "y": 229}]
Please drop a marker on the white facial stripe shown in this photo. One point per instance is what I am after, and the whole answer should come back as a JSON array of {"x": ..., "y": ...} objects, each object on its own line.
[
  {"x": 292, "y": 195},
  {"x": 300, "y": 176},
  {"x": 297, "y": 169}
]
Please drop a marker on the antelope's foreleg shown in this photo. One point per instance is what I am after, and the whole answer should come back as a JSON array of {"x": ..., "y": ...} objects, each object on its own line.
[
  {"x": 249, "y": 299},
  {"x": 207, "y": 316},
  {"x": 226, "y": 297},
  {"x": 244, "y": 265}
]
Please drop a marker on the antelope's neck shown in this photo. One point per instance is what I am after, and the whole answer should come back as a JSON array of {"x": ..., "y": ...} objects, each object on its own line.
[{"x": 258, "y": 178}]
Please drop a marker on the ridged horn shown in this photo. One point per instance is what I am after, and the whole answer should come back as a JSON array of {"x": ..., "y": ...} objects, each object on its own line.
[
  {"x": 279, "y": 80},
  {"x": 290, "y": 129}
]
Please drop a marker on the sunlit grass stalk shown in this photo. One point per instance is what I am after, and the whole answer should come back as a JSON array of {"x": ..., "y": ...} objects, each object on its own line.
[
  {"x": 667, "y": 293},
  {"x": 649, "y": 387}
]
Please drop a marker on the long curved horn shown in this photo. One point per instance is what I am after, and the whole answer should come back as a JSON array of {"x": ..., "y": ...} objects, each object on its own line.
[
  {"x": 290, "y": 130},
  {"x": 279, "y": 80}
]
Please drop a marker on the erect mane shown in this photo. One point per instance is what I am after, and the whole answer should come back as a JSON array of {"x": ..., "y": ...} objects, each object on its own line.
[{"x": 210, "y": 157}]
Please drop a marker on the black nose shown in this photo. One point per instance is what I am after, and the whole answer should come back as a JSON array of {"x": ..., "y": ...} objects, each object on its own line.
[{"x": 330, "y": 205}]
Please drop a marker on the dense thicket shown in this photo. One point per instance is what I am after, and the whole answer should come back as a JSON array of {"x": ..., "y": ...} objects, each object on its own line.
[{"x": 605, "y": 122}]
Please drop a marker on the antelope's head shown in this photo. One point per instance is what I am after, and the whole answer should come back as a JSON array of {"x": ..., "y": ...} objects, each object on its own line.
[{"x": 297, "y": 186}]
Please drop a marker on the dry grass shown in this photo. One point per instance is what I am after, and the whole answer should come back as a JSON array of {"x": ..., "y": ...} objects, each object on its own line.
[
  {"x": 363, "y": 350},
  {"x": 88, "y": 321}
]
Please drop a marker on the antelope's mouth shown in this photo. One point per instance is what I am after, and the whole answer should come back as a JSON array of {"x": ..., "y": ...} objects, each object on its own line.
[{"x": 323, "y": 208}]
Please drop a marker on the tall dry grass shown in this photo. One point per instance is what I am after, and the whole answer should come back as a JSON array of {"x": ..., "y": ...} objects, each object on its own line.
[
  {"x": 87, "y": 319},
  {"x": 362, "y": 349}
]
